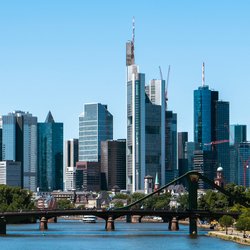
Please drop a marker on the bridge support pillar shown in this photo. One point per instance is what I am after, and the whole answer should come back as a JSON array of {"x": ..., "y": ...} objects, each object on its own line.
[
  {"x": 43, "y": 224},
  {"x": 193, "y": 193},
  {"x": 128, "y": 218},
  {"x": 52, "y": 220},
  {"x": 110, "y": 224},
  {"x": 136, "y": 219},
  {"x": 2, "y": 226},
  {"x": 173, "y": 224},
  {"x": 192, "y": 226}
]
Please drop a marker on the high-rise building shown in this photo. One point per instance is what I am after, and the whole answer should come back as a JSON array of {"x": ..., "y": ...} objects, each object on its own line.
[
  {"x": 243, "y": 164},
  {"x": 146, "y": 111},
  {"x": 238, "y": 134},
  {"x": 95, "y": 125},
  {"x": 50, "y": 154},
  {"x": 10, "y": 173},
  {"x": 71, "y": 157},
  {"x": 182, "y": 139},
  {"x": 171, "y": 146},
  {"x": 222, "y": 138},
  {"x": 1, "y": 139},
  {"x": 205, "y": 162},
  {"x": 204, "y": 116},
  {"x": 88, "y": 176},
  {"x": 113, "y": 164},
  {"x": 182, "y": 159},
  {"x": 211, "y": 124},
  {"x": 20, "y": 144}
]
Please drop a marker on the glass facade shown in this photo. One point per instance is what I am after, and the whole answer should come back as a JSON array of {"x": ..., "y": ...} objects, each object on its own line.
[
  {"x": 243, "y": 164},
  {"x": 238, "y": 133},
  {"x": 50, "y": 155},
  {"x": 9, "y": 137},
  {"x": 20, "y": 144},
  {"x": 171, "y": 146},
  {"x": 95, "y": 125},
  {"x": 222, "y": 134},
  {"x": 204, "y": 116}
]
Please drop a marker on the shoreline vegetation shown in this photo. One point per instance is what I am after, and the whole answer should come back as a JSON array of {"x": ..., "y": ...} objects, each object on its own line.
[{"x": 236, "y": 236}]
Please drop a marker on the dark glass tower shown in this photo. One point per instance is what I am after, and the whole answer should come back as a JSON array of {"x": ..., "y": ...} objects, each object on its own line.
[
  {"x": 222, "y": 138},
  {"x": 182, "y": 157},
  {"x": 204, "y": 115},
  {"x": 211, "y": 128},
  {"x": 50, "y": 154},
  {"x": 171, "y": 146},
  {"x": 113, "y": 164}
]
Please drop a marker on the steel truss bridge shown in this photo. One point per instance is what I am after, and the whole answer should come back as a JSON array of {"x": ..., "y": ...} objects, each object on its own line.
[{"x": 109, "y": 216}]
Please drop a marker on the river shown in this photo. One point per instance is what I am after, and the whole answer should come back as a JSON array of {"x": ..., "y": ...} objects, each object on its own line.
[{"x": 73, "y": 234}]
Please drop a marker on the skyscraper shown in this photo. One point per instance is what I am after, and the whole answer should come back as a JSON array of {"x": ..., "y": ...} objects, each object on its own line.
[
  {"x": 20, "y": 144},
  {"x": 113, "y": 164},
  {"x": 243, "y": 169},
  {"x": 222, "y": 138},
  {"x": 182, "y": 158},
  {"x": 171, "y": 146},
  {"x": 71, "y": 158},
  {"x": 95, "y": 125},
  {"x": 238, "y": 133},
  {"x": 146, "y": 113},
  {"x": 50, "y": 154},
  {"x": 204, "y": 115},
  {"x": 211, "y": 122}
]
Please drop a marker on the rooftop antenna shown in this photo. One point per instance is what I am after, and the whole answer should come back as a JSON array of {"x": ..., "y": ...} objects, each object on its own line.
[
  {"x": 133, "y": 32},
  {"x": 203, "y": 74},
  {"x": 133, "y": 41}
]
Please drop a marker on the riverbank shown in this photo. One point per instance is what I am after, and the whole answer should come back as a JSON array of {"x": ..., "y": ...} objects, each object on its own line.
[{"x": 235, "y": 237}]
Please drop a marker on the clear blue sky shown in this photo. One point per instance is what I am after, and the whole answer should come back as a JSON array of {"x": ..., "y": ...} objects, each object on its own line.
[{"x": 57, "y": 55}]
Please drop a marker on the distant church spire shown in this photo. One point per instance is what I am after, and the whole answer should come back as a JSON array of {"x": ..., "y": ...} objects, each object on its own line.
[
  {"x": 49, "y": 118},
  {"x": 157, "y": 184}
]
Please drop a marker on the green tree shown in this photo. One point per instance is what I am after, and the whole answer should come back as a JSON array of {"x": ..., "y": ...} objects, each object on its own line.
[
  {"x": 183, "y": 201},
  {"x": 121, "y": 196},
  {"x": 14, "y": 199},
  {"x": 64, "y": 204},
  {"x": 135, "y": 197},
  {"x": 243, "y": 224},
  {"x": 226, "y": 221},
  {"x": 213, "y": 200},
  {"x": 118, "y": 204}
]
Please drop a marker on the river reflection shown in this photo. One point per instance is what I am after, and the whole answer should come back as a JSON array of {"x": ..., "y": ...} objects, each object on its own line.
[{"x": 71, "y": 235}]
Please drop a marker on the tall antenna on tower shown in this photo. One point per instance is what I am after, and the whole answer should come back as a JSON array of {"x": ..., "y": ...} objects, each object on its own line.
[
  {"x": 133, "y": 42},
  {"x": 133, "y": 31},
  {"x": 203, "y": 74}
]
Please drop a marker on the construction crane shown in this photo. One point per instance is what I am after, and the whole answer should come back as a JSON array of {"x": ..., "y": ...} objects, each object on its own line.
[{"x": 212, "y": 143}]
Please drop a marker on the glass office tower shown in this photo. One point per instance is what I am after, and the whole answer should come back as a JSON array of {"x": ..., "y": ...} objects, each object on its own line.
[
  {"x": 95, "y": 125},
  {"x": 50, "y": 154},
  {"x": 146, "y": 125},
  {"x": 20, "y": 144},
  {"x": 222, "y": 138},
  {"x": 204, "y": 115}
]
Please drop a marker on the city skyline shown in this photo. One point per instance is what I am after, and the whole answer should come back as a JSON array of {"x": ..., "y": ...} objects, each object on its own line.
[{"x": 60, "y": 54}]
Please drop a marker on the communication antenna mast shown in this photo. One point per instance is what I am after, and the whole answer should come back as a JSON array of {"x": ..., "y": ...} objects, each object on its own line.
[
  {"x": 203, "y": 74},
  {"x": 133, "y": 30}
]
